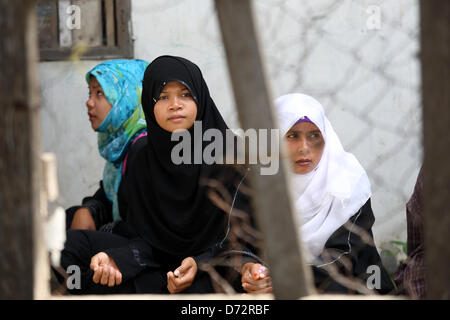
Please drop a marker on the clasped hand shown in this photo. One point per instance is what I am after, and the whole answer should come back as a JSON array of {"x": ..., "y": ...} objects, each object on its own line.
[
  {"x": 255, "y": 278},
  {"x": 105, "y": 270},
  {"x": 183, "y": 276}
]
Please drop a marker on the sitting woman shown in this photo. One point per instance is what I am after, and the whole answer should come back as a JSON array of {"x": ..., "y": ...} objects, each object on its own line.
[
  {"x": 332, "y": 196},
  {"x": 176, "y": 226},
  {"x": 115, "y": 112}
]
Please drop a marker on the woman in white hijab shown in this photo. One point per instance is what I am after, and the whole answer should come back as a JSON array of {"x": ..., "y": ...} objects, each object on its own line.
[{"x": 332, "y": 199}]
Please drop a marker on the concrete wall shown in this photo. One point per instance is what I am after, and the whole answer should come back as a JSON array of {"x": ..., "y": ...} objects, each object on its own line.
[{"x": 359, "y": 61}]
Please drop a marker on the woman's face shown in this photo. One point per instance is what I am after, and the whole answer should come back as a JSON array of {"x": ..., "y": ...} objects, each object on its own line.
[
  {"x": 175, "y": 108},
  {"x": 97, "y": 104},
  {"x": 305, "y": 145}
]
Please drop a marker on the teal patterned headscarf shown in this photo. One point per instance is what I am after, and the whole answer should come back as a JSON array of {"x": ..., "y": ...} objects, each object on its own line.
[{"x": 121, "y": 81}]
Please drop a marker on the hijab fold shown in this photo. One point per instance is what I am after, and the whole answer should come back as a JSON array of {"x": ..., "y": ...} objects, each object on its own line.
[
  {"x": 121, "y": 81},
  {"x": 336, "y": 189}
]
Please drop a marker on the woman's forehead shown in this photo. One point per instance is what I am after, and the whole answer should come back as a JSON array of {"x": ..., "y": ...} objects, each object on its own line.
[
  {"x": 174, "y": 85},
  {"x": 93, "y": 82},
  {"x": 304, "y": 127}
]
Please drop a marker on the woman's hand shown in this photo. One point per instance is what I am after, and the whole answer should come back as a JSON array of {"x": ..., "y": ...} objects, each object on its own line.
[
  {"x": 105, "y": 269},
  {"x": 183, "y": 276},
  {"x": 82, "y": 219},
  {"x": 255, "y": 278}
]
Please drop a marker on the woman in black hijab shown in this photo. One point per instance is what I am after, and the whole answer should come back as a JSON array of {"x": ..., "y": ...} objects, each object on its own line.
[{"x": 174, "y": 225}]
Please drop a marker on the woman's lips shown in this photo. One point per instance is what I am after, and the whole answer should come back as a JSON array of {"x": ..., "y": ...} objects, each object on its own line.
[
  {"x": 303, "y": 162},
  {"x": 176, "y": 118}
]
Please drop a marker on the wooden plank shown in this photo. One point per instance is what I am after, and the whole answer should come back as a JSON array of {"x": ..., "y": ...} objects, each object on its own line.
[
  {"x": 435, "y": 56},
  {"x": 292, "y": 279},
  {"x": 21, "y": 249},
  {"x": 91, "y": 23},
  {"x": 47, "y": 21},
  {"x": 96, "y": 53},
  {"x": 224, "y": 297},
  {"x": 123, "y": 27},
  {"x": 110, "y": 23}
]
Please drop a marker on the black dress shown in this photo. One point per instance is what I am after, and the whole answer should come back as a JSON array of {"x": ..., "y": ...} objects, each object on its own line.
[{"x": 351, "y": 253}]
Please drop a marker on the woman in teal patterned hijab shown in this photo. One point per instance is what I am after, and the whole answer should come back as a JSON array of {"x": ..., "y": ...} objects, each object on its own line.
[
  {"x": 115, "y": 112},
  {"x": 121, "y": 81}
]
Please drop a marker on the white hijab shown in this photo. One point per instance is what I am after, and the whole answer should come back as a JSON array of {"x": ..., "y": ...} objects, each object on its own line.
[{"x": 335, "y": 190}]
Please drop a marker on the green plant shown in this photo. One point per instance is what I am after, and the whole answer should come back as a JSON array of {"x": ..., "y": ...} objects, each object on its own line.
[{"x": 403, "y": 245}]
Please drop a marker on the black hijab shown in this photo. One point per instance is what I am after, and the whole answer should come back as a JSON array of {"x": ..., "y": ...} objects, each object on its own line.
[{"x": 167, "y": 204}]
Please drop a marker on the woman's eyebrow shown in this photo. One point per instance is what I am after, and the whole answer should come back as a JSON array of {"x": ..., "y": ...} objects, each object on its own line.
[{"x": 94, "y": 86}]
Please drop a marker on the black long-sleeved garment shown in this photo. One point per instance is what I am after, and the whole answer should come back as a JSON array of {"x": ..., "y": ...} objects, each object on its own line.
[
  {"x": 99, "y": 206},
  {"x": 144, "y": 267},
  {"x": 139, "y": 256},
  {"x": 350, "y": 252}
]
